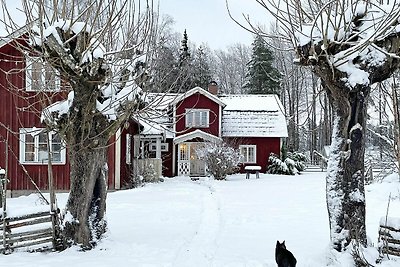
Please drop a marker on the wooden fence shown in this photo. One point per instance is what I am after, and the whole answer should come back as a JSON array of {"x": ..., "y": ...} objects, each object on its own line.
[
  {"x": 389, "y": 236},
  {"x": 33, "y": 231}
]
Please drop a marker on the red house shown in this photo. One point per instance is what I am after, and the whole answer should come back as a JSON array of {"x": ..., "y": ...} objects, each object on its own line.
[
  {"x": 254, "y": 123},
  {"x": 162, "y": 138}
]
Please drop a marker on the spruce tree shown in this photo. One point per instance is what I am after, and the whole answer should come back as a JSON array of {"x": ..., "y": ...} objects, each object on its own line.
[
  {"x": 201, "y": 68},
  {"x": 185, "y": 80},
  {"x": 263, "y": 77}
]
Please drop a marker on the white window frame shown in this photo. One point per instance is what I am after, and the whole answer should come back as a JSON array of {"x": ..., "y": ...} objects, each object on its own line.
[
  {"x": 245, "y": 152},
  {"x": 153, "y": 147},
  {"x": 45, "y": 69},
  {"x": 190, "y": 118},
  {"x": 35, "y": 133}
]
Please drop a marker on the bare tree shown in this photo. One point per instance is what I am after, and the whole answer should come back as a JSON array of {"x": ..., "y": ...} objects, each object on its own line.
[
  {"x": 95, "y": 47},
  {"x": 350, "y": 45}
]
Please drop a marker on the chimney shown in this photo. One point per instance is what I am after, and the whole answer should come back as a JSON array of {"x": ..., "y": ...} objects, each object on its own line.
[{"x": 213, "y": 88}]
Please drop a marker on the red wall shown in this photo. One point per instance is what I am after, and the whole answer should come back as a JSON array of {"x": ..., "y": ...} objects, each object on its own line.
[
  {"x": 197, "y": 101},
  {"x": 21, "y": 109},
  {"x": 265, "y": 146}
]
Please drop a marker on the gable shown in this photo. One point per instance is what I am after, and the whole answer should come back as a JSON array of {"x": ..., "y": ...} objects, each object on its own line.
[{"x": 199, "y": 91}]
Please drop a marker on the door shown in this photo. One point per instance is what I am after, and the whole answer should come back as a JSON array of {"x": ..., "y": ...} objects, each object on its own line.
[{"x": 197, "y": 166}]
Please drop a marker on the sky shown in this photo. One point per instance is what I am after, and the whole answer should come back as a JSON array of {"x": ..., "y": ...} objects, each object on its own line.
[{"x": 207, "y": 21}]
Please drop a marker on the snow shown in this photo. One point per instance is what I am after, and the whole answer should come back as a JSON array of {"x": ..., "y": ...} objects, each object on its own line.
[
  {"x": 253, "y": 115},
  {"x": 252, "y": 168},
  {"x": 375, "y": 22},
  {"x": 217, "y": 223}
]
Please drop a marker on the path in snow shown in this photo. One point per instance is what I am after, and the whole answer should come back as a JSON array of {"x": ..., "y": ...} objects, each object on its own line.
[{"x": 201, "y": 249}]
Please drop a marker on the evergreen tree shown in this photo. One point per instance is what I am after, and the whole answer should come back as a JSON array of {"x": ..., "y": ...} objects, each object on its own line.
[
  {"x": 263, "y": 77},
  {"x": 164, "y": 70},
  {"x": 184, "y": 81},
  {"x": 201, "y": 69},
  {"x": 184, "y": 55}
]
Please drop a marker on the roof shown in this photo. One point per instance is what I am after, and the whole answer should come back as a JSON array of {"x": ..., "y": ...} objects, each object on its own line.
[
  {"x": 197, "y": 134},
  {"x": 253, "y": 116},
  {"x": 199, "y": 90}
]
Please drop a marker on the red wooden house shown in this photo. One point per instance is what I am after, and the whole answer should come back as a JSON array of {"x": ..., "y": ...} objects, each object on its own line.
[
  {"x": 254, "y": 123},
  {"x": 164, "y": 136}
]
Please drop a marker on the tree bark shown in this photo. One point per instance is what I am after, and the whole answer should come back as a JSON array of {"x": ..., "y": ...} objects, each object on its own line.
[
  {"x": 345, "y": 177},
  {"x": 87, "y": 198}
]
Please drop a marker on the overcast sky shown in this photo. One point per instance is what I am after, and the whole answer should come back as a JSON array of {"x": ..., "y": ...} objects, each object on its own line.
[{"x": 207, "y": 21}]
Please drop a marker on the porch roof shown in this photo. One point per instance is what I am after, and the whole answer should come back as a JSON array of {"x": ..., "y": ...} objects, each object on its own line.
[{"x": 197, "y": 134}]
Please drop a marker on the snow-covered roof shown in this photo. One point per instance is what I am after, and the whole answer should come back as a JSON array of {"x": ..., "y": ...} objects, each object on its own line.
[
  {"x": 197, "y": 134},
  {"x": 253, "y": 116},
  {"x": 150, "y": 127},
  {"x": 199, "y": 90}
]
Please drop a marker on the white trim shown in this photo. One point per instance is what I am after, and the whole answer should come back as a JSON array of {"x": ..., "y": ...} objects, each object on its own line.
[
  {"x": 128, "y": 148},
  {"x": 200, "y": 91},
  {"x": 35, "y": 132},
  {"x": 220, "y": 121},
  {"x": 117, "y": 163},
  {"x": 173, "y": 159},
  {"x": 247, "y": 153},
  {"x": 197, "y": 134},
  {"x": 163, "y": 147},
  {"x": 191, "y": 113}
]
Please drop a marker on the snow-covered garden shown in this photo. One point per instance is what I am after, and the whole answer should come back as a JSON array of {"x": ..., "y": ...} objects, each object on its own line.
[{"x": 217, "y": 223}]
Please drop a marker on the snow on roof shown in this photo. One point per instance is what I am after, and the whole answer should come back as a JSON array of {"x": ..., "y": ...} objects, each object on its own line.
[
  {"x": 253, "y": 116},
  {"x": 199, "y": 90},
  {"x": 150, "y": 127},
  {"x": 197, "y": 134}
]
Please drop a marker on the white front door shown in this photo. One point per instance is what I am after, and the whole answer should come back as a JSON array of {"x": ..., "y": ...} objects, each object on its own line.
[
  {"x": 183, "y": 159},
  {"x": 188, "y": 161},
  {"x": 197, "y": 166}
]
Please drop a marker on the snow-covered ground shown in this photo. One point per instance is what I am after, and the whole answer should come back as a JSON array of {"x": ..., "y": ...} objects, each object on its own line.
[{"x": 216, "y": 223}]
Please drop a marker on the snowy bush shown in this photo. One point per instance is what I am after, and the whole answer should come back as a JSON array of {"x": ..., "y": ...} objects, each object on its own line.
[
  {"x": 221, "y": 159},
  {"x": 293, "y": 164},
  {"x": 299, "y": 159}
]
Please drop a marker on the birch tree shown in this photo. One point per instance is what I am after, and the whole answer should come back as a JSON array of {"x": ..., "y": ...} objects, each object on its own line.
[
  {"x": 350, "y": 45},
  {"x": 95, "y": 47}
]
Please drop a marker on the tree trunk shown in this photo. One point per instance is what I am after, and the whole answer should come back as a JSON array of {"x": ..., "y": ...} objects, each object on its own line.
[
  {"x": 345, "y": 177},
  {"x": 87, "y": 198},
  {"x": 87, "y": 141}
]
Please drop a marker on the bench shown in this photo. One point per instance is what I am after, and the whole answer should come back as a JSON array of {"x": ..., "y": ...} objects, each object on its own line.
[{"x": 252, "y": 169}]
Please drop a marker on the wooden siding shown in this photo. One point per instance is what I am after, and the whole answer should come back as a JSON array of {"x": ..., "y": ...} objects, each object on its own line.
[
  {"x": 21, "y": 109},
  {"x": 265, "y": 146},
  {"x": 197, "y": 101}
]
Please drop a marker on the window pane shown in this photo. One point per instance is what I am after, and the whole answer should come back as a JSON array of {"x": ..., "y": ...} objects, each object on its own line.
[
  {"x": 204, "y": 118},
  {"x": 183, "y": 150},
  {"x": 251, "y": 154},
  {"x": 197, "y": 118}
]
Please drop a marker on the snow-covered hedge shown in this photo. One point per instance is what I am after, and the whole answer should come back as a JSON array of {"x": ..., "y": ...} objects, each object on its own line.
[
  {"x": 293, "y": 164},
  {"x": 221, "y": 159}
]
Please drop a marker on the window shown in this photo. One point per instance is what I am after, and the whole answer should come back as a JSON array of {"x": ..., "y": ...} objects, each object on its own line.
[
  {"x": 248, "y": 153},
  {"x": 197, "y": 118},
  {"x": 164, "y": 147},
  {"x": 33, "y": 146},
  {"x": 41, "y": 76}
]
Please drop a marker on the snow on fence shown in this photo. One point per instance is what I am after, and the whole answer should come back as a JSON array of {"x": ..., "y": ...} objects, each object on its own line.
[
  {"x": 34, "y": 231},
  {"x": 389, "y": 236}
]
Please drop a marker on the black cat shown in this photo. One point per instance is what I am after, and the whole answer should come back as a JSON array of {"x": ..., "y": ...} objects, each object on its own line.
[{"x": 283, "y": 257}]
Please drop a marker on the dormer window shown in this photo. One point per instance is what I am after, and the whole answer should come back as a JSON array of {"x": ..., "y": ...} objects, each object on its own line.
[
  {"x": 197, "y": 118},
  {"x": 40, "y": 76}
]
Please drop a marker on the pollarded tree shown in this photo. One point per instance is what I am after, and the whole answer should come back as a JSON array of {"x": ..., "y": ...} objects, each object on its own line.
[
  {"x": 350, "y": 44},
  {"x": 94, "y": 46}
]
